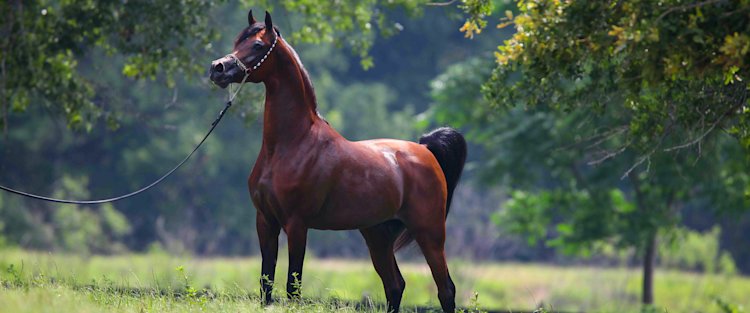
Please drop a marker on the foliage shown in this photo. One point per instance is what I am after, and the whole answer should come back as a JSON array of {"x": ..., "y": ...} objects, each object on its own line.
[
  {"x": 693, "y": 250},
  {"x": 477, "y": 11},
  {"x": 727, "y": 307},
  {"x": 566, "y": 187},
  {"x": 3, "y": 241},
  {"x": 622, "y": 56},
  {"x": 83, "y": 230},
  {"x": 354, "y": 24},
  {"x": 606, "y": 81},
  {"x": 361, "y": 112},
  {"x": 42, "y": 44},
  {"x": 641, "y": 90}
]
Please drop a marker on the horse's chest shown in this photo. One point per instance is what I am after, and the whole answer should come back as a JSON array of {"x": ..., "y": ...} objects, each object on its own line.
[{"x": 261, "y": 185}]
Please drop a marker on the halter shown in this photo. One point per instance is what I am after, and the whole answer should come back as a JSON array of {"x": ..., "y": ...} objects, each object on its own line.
[
  {"x": 246, "y": 70},
  {"x": 244, "y": 67}
]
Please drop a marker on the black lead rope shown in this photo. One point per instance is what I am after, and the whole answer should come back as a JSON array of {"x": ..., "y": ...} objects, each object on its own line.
[{"x": 210, "y": 130}]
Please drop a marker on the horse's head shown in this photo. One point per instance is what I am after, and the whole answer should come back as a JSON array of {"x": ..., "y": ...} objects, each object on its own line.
[{"x": 251, "y": 54}]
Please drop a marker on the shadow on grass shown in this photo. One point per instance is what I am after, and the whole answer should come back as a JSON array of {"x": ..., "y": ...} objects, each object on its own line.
[{"x": 361, "y": 305}]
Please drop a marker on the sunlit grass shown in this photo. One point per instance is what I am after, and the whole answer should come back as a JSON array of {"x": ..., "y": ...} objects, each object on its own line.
[{"x": 43, "y": 282}]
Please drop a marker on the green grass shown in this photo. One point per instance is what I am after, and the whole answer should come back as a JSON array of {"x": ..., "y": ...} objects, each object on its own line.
[{"x": 42, "y": 282}]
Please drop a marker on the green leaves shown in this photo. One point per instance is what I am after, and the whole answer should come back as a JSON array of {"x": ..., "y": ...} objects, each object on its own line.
[
  {"x": 162, "y": 41},
  {"x": 355, "y": 24},
  {"x": 526, "y": 214},
  {"x": 563, "y": 162},
  {"x": 477, "y": 11},
  {"x": 662, "y": 63},
  {"x": 43, "y": 46},
  {"x": 574, "y": 221}
]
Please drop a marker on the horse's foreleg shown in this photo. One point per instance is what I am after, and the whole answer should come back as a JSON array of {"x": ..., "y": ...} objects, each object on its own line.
[
  {"x": 297, "y": 239},
  {"x": 380, "y": 240},
  {"x": 268, "y": 235}
]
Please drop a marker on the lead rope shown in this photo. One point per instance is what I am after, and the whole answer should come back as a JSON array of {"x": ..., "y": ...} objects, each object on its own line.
[
  {"x": 128, "y": 195},
  {"x": 223, "y": 111},
  {"x": 113, "y": 199}
]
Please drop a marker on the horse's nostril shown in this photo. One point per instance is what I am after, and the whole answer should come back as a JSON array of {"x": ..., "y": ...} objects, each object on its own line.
[{"x": 219, "y": 68}]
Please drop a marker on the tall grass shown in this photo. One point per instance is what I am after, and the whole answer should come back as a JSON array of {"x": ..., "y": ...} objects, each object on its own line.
[{"x": 44, "y": 282}]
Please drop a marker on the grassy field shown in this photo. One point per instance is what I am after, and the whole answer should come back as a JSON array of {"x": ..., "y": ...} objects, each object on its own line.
[{"x": 43, "y": 282}]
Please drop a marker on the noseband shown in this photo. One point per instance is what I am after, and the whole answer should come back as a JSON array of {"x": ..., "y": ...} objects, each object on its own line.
[{"x": 244, "y": 67}]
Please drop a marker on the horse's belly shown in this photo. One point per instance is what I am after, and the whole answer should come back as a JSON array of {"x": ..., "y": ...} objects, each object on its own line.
[
  {"x": 354, "y": 205},
  {"x": 352, "y": 218}
]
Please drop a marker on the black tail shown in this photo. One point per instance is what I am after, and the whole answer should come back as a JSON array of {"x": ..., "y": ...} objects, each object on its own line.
[{"x": 449, "y": 148}]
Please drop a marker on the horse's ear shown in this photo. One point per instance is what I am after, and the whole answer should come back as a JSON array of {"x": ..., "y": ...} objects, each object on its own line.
[
  {"x": 269, "y": 22},
  {"x": 250, "y": 18}
]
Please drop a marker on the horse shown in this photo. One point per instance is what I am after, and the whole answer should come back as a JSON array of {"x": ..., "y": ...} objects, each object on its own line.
[{"x": 308, "y": 176}]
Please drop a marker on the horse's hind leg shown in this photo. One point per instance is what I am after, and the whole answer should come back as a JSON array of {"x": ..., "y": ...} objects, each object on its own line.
[
  {"x": 380, "y": 240},
  {"x": 430, "y": 235},
  {"x": 268, "y": 235}
]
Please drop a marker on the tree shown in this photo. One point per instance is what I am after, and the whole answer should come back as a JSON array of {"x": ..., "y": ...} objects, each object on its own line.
[
  {"x": 43, "y": 43},
  {"x": 656, "y": 77},
  {"x": 646, "y": 78},
  {"x": 676, "y": 70},
  {"x": 566, "y": 189}
]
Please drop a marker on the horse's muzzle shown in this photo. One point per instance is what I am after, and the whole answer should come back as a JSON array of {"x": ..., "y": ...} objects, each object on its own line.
[{"x": 223, "y": 71}]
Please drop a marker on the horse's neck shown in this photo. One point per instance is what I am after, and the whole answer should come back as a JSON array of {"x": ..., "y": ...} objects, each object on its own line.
[{"x": 290, "y": 108}]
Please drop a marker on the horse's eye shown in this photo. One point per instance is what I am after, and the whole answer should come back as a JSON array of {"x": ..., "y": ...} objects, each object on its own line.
[{"x": 257, "y": 46}]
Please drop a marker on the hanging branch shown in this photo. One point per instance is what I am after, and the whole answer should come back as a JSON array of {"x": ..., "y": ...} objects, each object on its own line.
[{"x": 739, "y": 103}]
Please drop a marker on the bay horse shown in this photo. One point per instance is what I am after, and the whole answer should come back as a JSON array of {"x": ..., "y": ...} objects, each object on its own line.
[{"x": 308, "y": 176}]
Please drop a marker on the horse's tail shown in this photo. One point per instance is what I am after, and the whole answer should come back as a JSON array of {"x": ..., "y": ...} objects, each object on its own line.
[{"x": 449, "y": 148}]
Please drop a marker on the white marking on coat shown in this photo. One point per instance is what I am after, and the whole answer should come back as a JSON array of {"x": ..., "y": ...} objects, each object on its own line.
[{"x": 391, "y": 157}]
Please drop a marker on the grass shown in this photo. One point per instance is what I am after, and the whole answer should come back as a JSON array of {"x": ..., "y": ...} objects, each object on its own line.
[{"x": 43, "y": 282}]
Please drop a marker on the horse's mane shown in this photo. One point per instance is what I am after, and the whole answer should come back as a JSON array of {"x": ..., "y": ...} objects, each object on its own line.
[{"x": 305, "y": 76}]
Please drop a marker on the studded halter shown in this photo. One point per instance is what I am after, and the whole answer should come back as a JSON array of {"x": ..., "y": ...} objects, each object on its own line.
[{"x": 242, "y": 65}]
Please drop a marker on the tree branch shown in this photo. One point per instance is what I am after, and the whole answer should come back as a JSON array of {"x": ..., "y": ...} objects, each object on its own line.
[
  {"x": 710, "y": 129},
  {"x": 607, "y": 135},
  {"x": 608, "y": 155},
  {"x": 638, "y": 163},
  {"x": 647, "y": 157},
  {"x": 699, "y": 138},
  {"x": 687, "y": 7},
  {"x": 596, "y": 138}
]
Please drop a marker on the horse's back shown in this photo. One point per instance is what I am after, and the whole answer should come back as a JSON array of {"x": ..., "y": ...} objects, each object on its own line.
[
  {"x": 408, "y": 153},
  {"x": 420, "y": 169}
]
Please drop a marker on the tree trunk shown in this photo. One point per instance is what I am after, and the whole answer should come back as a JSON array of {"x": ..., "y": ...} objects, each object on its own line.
[{"x": 649, "y": 258}]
